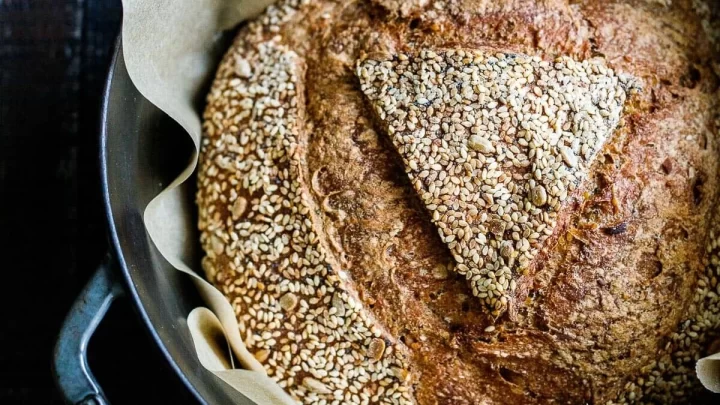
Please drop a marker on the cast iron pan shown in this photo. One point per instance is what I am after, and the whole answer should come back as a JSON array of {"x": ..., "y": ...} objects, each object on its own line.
[{"x": 135, "y": 166}]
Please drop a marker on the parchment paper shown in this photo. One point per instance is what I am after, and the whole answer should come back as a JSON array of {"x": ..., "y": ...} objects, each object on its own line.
[
  {"x": 708, "y": 371},
  {"x": 171, "y": 48}
]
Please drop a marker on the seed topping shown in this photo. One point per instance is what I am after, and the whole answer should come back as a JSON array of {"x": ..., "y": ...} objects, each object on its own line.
[{"x": 494, "y": 144}]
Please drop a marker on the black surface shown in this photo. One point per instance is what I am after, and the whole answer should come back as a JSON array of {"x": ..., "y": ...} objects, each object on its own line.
[{"x": 54, "y": 56}]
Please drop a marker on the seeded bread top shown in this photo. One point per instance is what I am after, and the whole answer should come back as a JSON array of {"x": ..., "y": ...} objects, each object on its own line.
[
  {"x": 495, "y": 144},
  {"x": 468, "y": 202}
]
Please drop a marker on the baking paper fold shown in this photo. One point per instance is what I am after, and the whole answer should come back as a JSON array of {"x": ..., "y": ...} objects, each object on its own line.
[
  {"x": 708, "y": 371},
  {"x": 212, "y": 348},
  {"x": 171, "y": 49}
]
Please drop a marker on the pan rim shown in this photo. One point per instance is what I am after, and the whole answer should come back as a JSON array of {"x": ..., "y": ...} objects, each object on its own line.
[{"x": 115, "y": 246}]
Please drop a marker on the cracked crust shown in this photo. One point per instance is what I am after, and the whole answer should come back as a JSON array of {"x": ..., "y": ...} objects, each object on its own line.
[{"x": 616, "y": 310}]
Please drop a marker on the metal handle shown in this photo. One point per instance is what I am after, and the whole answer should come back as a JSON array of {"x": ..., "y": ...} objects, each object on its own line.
[{"x": 70, "y": 366}]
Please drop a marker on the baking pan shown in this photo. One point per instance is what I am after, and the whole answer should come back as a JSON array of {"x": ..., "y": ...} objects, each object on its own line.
[{"x": 136, "y": 166}]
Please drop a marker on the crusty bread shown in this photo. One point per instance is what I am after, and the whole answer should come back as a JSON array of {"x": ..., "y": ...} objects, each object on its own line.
[{"x": 467, "y": 202}]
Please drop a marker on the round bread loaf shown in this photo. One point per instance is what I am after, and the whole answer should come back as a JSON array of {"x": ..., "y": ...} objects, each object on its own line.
[{"x": 469, "y": 201}]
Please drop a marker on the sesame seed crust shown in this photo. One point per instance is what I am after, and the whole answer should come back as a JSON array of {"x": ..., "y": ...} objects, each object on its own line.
[
  {"x": 295, "y": 312},
  {"x": 312, "y": 225},
  {"x": 494, "y": 144}
]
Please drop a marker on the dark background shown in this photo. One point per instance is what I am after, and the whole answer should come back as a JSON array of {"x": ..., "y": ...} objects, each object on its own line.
[{"x": 54, "y": 55}]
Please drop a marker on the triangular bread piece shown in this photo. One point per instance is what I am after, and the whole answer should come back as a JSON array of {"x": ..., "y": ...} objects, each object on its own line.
[{"x": 494, "y": 144}]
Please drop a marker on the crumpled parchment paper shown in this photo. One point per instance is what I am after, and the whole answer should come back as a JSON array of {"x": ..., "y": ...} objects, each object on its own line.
[{"x": 170, "y": 49}]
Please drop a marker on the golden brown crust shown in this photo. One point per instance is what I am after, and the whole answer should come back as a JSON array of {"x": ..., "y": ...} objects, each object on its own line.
[{"x": 616, "y": 309}]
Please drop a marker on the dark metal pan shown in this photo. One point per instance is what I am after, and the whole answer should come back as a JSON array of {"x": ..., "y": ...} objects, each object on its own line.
[{"x": 135, "y": 166}]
